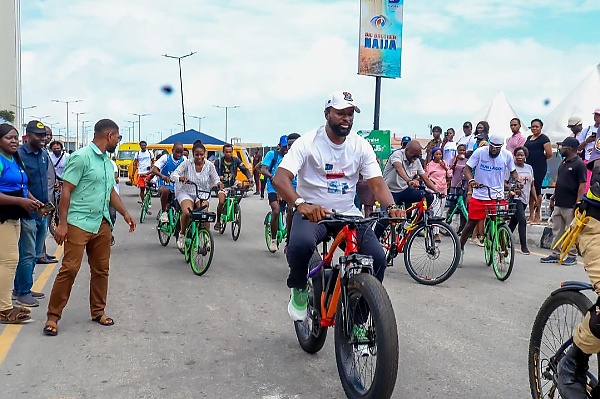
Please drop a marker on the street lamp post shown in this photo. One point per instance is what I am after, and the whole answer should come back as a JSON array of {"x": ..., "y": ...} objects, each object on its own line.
[
  {"x": 77, "y": 127},
  {"x": 40, "y": 118},
  {"x": 67, "y": 102},
  {"x": 226, "y": 108},
  {"x": 83, "y": 127},
  {"x": 51, "y": 124},
  {"x": 139, "y": 124},
  {"x": 21, "y": 112},
  {"x": 133, "y": 130},
  {"x": 181, "y": 82},
  {"x": 199, "y": 121}
]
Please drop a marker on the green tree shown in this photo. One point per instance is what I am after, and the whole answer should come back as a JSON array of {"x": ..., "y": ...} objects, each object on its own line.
[{"x": 7, "y": 115}]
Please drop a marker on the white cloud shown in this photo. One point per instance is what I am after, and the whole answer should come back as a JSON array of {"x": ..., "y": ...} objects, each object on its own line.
[{"x": 279, "y": 59}]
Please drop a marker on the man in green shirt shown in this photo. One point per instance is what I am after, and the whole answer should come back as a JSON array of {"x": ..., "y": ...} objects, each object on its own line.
[{"x": 84, "y": 224}]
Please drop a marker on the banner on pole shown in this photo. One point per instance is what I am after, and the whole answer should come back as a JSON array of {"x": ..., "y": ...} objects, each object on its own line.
[
  {"x": 380, "y": 141},
  {"x": 380, "y": 46}
]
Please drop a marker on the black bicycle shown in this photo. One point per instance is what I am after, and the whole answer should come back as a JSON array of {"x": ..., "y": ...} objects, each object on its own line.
[{"x": 552, "y": 336}]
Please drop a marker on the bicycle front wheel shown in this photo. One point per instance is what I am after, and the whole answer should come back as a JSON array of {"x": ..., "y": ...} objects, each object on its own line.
[
  {"x": 366, "y": 340},
  {"x": 430, "y": 262},
  {"x": 554, "y": 324},
  {"x": 268, "y": 236},
  {"x": 236, "y": 224},
  {"x": 145, "y": 206},
  {"x": 202, "y": 251},
  {"x": 163, "y": 233},
  {"x": 488, "y": 248},
  {"x": 503, "y": 257}
]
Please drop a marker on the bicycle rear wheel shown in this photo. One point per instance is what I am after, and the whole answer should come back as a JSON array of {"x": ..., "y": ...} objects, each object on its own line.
[
  {"x": 366, "y": 340},
  {"x": 428, "y": 262},
  {"x": 311, "y": 335},
  {"x": 201, "y": 251},
  {"x": 236, "y": 224},
  {"x": 503, "y": 257},
  {"x": 554, "y": 324}
]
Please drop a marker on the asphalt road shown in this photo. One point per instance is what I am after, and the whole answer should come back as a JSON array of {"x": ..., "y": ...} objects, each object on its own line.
[{"x": 227, "y": 334}]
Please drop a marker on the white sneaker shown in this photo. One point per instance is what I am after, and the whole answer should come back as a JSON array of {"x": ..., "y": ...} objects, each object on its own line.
[
  {"x": 273, "y": 245},
  {"x": 149, "y": 206},
  {"x": 180, "y": 241},
  {"x": 164, "y": 217}
]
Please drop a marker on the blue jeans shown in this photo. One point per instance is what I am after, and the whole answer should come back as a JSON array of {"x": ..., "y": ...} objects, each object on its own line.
[
  {"x": 407, "y": 197},
  {"x": 31, "y": 243}
]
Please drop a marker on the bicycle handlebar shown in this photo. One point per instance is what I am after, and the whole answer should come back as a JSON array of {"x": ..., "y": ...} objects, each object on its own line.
[{"x": 198, "y": 191}]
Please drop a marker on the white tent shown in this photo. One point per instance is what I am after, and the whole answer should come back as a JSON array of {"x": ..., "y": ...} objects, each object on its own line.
[
  {"x": 582, "y": 100},
  {"x": 498, "y": 114}
]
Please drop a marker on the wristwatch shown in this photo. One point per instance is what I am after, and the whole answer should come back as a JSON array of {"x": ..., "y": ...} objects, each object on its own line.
[{"x": 299, "y": 201}]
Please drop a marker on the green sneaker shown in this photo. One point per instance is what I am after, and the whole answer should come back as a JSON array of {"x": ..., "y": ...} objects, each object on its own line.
[
  {"x": 359, "y": 334},
  {"x": 298, "y": 304}
]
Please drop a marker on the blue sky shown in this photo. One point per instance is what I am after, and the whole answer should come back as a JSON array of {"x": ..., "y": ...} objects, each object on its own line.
[{"x": 279, "y": 59}]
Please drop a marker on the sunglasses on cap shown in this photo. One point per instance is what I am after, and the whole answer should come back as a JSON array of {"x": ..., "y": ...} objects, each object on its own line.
[{"x": 497, "y": 146}]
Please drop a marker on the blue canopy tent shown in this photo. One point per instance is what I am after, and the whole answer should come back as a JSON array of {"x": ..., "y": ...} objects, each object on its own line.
[{"x": 189, "y": 136}]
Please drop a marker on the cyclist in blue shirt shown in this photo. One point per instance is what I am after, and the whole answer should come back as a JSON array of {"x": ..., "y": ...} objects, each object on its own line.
[
  {"x": 163, "y": 168},
  {"x": 268, "y": 168}
]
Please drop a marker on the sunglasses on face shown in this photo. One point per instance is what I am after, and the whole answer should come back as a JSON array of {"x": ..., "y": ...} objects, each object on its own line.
[{"x": 496, "y": 146}]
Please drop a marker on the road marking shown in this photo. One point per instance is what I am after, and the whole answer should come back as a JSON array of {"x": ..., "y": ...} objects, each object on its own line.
[{"x": 9, "y": 335}]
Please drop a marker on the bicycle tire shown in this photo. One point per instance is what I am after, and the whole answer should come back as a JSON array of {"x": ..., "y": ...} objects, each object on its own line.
[
  {"x": 202, "y": 251},
  {"x": 163, "y": 236},
  {"x": 368, "y": 304},
  {"x": 236, "y": 224},
  {"x": 502, "y": 269},
  {"x": 567, "y": 309},
  {"x": 488, "y": 248},
  {"x": 268, "y": 236},
  {"x": 224, "y": 216},
  {"x": 145, "y": 206},
  {"x": 419, "y": 270},
  {"x": 311, "y": 335},
  {"x": 188, "y": 241}
]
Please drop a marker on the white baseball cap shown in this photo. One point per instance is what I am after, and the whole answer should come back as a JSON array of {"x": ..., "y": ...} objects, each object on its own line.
[
  {"x": 341, "y": 100},
  {"x": 496, "y": 139},
  {"x": 574, "y": 120}
]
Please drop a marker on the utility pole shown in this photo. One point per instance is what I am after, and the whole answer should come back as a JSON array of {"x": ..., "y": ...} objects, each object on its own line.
[
  {"x": 226, "y": 108},
  {"x": 181, "y": 82},
  {"x": 199, "y": 121}
]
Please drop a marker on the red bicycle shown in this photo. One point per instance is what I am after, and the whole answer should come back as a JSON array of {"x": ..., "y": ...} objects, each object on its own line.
[
  {"x": 348, "y": 297},
  {"x": 431, "y": 247}
]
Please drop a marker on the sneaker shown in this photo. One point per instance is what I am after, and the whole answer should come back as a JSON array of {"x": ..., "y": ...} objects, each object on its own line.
[
  {"x": 27, "y": 300},
  {"x": 38, "y": 295},
  {"x": 164, "y": 217},
  {"x": 525, "y": 251},
  {"x": 549, "y": 259},
  {"x": 480, "y": 243},
  {"x": 572, "y": 374},
  {"x": 359, "y": 334},
  {"x": 460, "y": 260},
  {"x": 569, "y": 261},
  {"x": 149, "y": 206},
  {"x": 298, "y": 304},
  {"x": 273, "y": 245},
  {"x": 180, "y": 241}
]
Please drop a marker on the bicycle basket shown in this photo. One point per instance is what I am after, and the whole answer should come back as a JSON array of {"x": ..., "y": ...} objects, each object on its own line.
[
  {"x": 202, "y": 216},
  {"x": 503, "y": 210}
]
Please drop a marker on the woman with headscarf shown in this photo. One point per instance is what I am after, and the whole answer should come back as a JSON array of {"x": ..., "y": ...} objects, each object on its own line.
[{"x": 15, "y": 203}]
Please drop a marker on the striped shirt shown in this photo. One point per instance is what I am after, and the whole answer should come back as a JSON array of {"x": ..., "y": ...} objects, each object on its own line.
[{"x": 205, "y": 179}]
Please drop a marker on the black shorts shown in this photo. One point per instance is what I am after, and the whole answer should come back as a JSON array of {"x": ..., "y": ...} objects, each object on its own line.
[{"x": 272, "y": 197}]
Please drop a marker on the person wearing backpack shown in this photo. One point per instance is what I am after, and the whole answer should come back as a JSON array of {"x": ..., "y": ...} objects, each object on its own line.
[
  {"x": 269, "y": 167},
  {"x": 58, "y": 157}
]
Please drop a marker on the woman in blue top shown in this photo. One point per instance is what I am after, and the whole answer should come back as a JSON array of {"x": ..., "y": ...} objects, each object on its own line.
[{"x": 15, "y": 203}]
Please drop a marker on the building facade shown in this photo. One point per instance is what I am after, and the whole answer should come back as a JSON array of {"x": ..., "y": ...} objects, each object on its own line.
[{"x": 10, "y": 67}]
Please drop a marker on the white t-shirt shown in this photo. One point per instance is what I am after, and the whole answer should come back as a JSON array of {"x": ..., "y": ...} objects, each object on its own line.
[
  {"x": 328, "y": 172},
  {"x": 449, "y": 152},
  {"x": 144, "y": 161},
  {"x": 526, "y": 176},
  {"x": 59, "y": 166},
  {"x": 490, "y": 171},
  {"x": 116, "y": 169},
  {"x": 469, "y": 141},
  {"x": 589, "y": 147}
]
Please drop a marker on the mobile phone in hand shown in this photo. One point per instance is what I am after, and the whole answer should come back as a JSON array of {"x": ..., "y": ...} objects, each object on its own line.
[{"x": 46, "y": 209}]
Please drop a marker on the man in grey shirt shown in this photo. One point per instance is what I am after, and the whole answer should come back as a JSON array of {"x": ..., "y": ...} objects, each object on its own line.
[{"x": 402, "y": 174}]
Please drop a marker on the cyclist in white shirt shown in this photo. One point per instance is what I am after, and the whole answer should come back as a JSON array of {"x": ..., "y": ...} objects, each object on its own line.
[
  {"x": 327, "y": 163},
  {"x": 491, "y": 165},
  {"x": 143, "y": 162}
]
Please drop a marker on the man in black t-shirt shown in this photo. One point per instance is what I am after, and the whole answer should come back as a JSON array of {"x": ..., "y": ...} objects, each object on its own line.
[{"x": 569, "y": 189}]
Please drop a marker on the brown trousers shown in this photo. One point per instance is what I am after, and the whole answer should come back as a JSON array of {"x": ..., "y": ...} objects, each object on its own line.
[
  {"x": 590, "y": 250},
  {"x": 97, "y": 247}
]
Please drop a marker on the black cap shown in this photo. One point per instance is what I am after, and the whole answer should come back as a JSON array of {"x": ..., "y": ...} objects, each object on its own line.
[
  {"x": 35, "y": 127},
  {"x": 571, "y": 142}
]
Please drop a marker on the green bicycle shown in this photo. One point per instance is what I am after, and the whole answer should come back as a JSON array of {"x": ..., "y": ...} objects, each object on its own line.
[
  {"x": 199, "y": 242},
  {"x": 498, "y": 245},
  {"x": 144, "y": 211},
  {"x": 281, "y": 227},
  {"x": 232, "y": 212},
  {"x": 173, "y": 226},
  {"x": 459, "y": 209}
]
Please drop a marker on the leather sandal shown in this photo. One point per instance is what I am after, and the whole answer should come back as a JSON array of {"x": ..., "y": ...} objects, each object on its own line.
[{"x": 14, "y": 316}]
